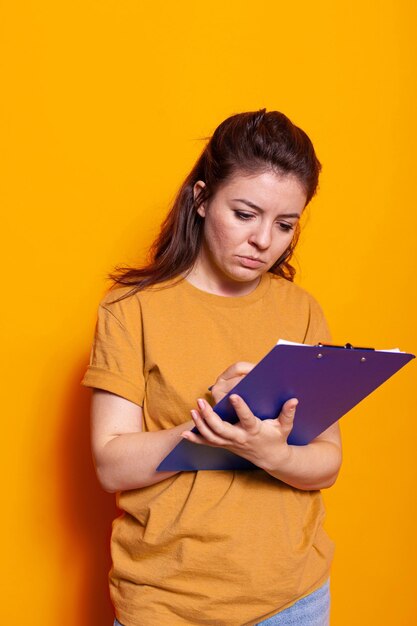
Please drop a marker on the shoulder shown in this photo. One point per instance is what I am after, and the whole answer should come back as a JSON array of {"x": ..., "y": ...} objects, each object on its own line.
[
  {"x": 124, "y": 302},
  {"x": 120, "y": 306}
]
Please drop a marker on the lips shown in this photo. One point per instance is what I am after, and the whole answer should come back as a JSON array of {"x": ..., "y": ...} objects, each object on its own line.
[{"x": 252, "y": 262}]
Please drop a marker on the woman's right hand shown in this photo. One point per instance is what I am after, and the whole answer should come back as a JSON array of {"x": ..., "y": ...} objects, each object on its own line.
[{"x": 229, "y": 378}]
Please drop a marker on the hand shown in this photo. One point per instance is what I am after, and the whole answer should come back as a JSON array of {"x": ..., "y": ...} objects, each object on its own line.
[
  {"x": 229, "y": 378},
  {"x": 263, "y": 442}
]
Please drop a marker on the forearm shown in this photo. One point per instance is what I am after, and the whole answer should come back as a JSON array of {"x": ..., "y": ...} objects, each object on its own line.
[
  {"x": 129, "y": 460},
  {"x": 310, "y": 467}
]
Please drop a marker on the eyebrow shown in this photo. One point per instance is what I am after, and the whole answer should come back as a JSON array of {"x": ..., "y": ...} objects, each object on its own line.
[{"x": 258, "y": 208}]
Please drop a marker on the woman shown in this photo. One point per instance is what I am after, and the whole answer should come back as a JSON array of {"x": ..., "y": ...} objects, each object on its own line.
[{"x": 225, "y": 548}]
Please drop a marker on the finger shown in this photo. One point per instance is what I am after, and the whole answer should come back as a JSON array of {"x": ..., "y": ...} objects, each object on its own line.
[
  {"x": 246, "y": 418},
  {"x": 286, "y": 417},
  {"x": 214, "y": 422},
  {"x": 205, "y": 431},
  {"x": 194, "y": 437},
  {"x": 241, "y": 368}
]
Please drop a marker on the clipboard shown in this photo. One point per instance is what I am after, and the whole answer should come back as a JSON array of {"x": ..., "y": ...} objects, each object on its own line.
[{"x": 327, "y": 380}]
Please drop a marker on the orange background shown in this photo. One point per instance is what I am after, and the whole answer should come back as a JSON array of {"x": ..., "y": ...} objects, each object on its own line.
[{"x": 103, "y": 111}]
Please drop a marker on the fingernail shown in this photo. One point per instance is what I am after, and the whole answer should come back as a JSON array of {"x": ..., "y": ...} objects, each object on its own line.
[
  {"x": 184, "y": 435},
  {"x": 194, "y": 414},
  {"x": 200, "y": 403},
  {"x": 234, "y": 399}
]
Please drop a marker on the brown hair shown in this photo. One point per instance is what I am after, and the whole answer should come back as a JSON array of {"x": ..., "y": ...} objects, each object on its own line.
[{"x": 247, "y": 143}]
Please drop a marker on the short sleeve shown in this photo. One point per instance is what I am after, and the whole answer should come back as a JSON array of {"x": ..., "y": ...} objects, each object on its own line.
[
  {"x": 116, "y": 357},
  {"x": 318, "y": 330}
]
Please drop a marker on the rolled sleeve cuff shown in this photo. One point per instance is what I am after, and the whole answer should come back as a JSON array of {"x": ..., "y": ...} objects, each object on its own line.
[{"x": 109, "y": 381}]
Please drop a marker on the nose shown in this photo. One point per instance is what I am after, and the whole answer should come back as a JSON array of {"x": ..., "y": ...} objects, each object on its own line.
[{"x": 261, "y": 236}]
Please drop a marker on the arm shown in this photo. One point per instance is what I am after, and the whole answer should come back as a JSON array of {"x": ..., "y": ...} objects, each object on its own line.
[
  {"x": 124, "y": 456},
  {"x": 264, "y": 443},
  {"x": 314, "y": 466}
]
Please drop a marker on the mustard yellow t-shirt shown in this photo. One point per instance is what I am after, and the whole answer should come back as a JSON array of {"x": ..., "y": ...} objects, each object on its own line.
[{"x": 221, "y": 548}]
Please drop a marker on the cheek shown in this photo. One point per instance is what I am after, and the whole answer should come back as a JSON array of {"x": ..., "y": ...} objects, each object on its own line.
[
  {"x": 280, "y": 245},
  {"x": 220, "y": 236},
  {"x": 284, "y": 239}
]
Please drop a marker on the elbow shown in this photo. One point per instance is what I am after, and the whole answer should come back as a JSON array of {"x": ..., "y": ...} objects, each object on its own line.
[
  {"x": 113, "y": 482},
  {"x": 109, "y": 488},
  {"x": 328, "y": 483},
  {"x": 107, "y": 470},
  {"x": 330, "y": 480},
  {"x": 316, "y": 486},
  {"x": 323, "y": 483},
  {"x": 104, "y": 471},
  {"x": 333, "y": 473},
  {"x": 105, "y": 479}
]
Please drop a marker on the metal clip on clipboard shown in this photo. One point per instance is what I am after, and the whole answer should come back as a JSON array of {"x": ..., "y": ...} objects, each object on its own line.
[{"x": 347, "y": 346}]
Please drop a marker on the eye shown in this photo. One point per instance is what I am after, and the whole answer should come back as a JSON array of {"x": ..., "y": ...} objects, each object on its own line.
[
  {"x": 243, "y": 215},
  {"x": 285, "y": 226}
]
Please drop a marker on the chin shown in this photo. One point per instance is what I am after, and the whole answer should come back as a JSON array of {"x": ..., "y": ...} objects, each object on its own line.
[{"x": 245, "y": 275}]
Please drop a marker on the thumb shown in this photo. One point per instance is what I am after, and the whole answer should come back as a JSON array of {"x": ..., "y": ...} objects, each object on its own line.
[{"x": 286, "y": 417}]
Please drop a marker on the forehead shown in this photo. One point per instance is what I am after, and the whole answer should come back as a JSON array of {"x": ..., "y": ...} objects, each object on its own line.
[{"x": 267, "y": 190}]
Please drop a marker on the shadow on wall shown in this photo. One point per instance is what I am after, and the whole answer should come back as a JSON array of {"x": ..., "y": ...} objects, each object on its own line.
[{"x": 86, "y": 510}]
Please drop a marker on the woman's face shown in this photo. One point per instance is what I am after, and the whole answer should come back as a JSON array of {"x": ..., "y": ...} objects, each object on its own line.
[{"x": 248, "y": 224}]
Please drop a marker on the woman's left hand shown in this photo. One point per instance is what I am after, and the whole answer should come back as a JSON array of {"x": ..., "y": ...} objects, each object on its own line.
[{"x": 263, "y": 442}]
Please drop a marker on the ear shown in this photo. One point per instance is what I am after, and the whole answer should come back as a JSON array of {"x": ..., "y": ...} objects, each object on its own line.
[{"x": 197, "y": 189}]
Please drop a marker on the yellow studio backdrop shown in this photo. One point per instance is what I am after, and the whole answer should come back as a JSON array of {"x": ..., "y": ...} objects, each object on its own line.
[{"x": 104, "y": 106}]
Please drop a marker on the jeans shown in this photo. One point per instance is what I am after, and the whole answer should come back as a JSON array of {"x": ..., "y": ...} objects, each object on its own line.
[{"x": 313, "y": 610}]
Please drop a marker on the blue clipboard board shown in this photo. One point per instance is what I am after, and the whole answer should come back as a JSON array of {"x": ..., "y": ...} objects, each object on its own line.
[{"x": 327, "y": 380}]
